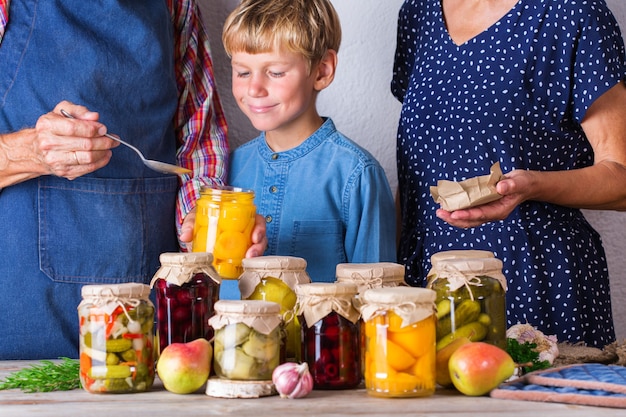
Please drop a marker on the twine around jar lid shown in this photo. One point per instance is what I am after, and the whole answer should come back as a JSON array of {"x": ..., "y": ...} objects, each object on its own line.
[
  {"x": 289, "y": 269},
  {"x": 460, "y": 272},
  {"x": 455, "y": 254},
  {"x": 319, "y": 299},
  {"x": 180, "y": 267},
  {"x": 371, "y": 275},
  {"x": 262, "y": 316},
  {"x": 109, "y": 297},
  {"x": 411, "y": 304}
]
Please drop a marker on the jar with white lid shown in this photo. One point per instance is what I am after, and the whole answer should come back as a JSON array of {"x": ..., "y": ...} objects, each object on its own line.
[
  {"x": 471, "y": 300},
  {"x": 116, "y": 344},
  {"x": 456, "y": 254},
  {"x": 248, "y": 338},
  {"x": 273, "y": 278},
  {"x": 187, "y": 287},
  {"x": 399, "y": 341}
]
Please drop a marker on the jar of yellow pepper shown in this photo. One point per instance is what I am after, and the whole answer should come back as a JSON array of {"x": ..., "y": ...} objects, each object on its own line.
[{"x": 400, "y": 326}]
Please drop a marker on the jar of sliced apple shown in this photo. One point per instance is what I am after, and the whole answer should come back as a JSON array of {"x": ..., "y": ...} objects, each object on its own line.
[{"x": 248, "y": 339}]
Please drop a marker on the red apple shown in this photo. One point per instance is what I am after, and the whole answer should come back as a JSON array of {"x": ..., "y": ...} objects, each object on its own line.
[
  {"x": 478, "y": 367},
  {"x": 184, "y": 367}
]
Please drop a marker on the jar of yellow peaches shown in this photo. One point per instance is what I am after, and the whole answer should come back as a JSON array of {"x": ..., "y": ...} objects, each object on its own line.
[
  {"x": 273, "y": 278},
  {"x": 248, "y": 338},
  {"x": 470, "y": 300},
  {"x": 399, "y": 341},
  {"x": 225, "y": 218}
]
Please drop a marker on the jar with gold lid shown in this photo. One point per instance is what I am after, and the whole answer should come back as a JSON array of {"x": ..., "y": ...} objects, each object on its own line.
[
  {"x": 273, "y": 278},
  {"x": 187, "y": 288},
  {"x": 471, "y": 300},
  {"x": 399, "y": 341},
  {"x": 115, "y": 338},
  {"x": 330, "y": 334}
]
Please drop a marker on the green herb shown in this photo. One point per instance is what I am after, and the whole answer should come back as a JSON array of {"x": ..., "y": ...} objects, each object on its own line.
[
  {"x": 45, "y": 376},
  {"x": 525, "y": 355}
]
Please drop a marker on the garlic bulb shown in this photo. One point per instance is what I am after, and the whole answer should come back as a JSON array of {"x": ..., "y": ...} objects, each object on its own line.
[
  {"x": 546, "y": 345},
  {"x": 292, "y": 380}
]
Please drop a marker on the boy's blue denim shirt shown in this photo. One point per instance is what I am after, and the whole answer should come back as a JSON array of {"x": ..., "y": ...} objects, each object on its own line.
[{"x": 327, "y": 201}]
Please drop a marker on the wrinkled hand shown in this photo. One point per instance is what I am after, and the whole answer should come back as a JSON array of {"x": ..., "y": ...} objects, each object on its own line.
[
  {"x": 259, "y": 238},
  {"x": 514, "y": 188},
  {"x": 71, "y": 148}
]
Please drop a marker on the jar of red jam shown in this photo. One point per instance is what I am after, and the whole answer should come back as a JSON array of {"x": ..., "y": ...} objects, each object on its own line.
[
  {"x": 330, "y": 334},
  {"x": 399, "y": 341},
  {"x": 116, "y": 342},
  {"x": 187, "y": 288},
  {"x": 273, "y": 278}
]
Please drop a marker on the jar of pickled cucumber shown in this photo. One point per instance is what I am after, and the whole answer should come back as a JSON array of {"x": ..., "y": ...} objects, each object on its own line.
[
  {"x": 273, "y": 278},
  {"x": 456, "y": 254},
  {"x": 248, "y": 338},
  {"x": 116, "y": 338},
  {"x": 225, "y": 218},
  {"x": 399, "y": 341},
  {"x": 330, "y": 334},
  {"x": 187, "y": 287},
  {"x": 470, "y": 300}
]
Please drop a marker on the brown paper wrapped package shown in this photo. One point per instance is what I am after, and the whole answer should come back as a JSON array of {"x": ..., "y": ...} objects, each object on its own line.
[{"x": 471, "y": 192}]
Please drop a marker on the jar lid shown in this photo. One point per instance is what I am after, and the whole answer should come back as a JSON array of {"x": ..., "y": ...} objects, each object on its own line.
[
  {"x": 180, "y": 267},
  {"x": 262, "y": 316},
  {"x": 461, "y": 272},
  {"x": 460, "y": 254},
  {"x": 319, "y": 299},
  {"x": 109, "y": 297},
  {"x": 274, "y": 262},
  {"x": 411, "y": 304},
  {"x": 223, "y": 189},
  {"x": 371, "y": 275}
]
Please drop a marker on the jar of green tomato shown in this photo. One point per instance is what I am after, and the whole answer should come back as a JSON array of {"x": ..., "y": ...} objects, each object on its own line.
[{"x": 116, "y": 343}]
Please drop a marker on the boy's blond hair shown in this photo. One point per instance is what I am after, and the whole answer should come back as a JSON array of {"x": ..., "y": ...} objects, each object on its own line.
[{"x": 307, "y": 27}]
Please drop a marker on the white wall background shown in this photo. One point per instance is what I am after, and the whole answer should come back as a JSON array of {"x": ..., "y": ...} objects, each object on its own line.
[{"x": 360, "y": 103}]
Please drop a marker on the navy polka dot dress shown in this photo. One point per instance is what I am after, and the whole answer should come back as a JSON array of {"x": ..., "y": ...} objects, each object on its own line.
[{"x": 515, "y": 93}]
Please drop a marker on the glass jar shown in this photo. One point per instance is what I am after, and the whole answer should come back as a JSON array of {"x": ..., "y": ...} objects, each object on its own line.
[
  {"x": 273, "y": 278},
  {"x": 399, "y": 341},
  {"x": 330, "y": 334},
  {"x": 115, "y": 338},
  {"x": 471, "y": 300},
  {"x": 456, "y": 254},
  {"x": 225, "y": 218},
  {"x": 248, "y": 338},
  {"x": 371, "y": 275},
  {"x": 187, "y": 287}
]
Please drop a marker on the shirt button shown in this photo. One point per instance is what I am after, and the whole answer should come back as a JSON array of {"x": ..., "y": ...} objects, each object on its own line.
[
  {"x": 274, "y": 156},
  {"x": 273, "y": 189},
  {"x": 268, "y": 219}
]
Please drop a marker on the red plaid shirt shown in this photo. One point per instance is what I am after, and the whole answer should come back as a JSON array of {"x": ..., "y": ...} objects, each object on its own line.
[{"x": 199, "y": 123}]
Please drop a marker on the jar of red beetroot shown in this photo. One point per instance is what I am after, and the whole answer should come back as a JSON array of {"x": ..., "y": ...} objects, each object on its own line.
[
  {"x": 330, "y": 334},
  {"x": 187, "y": 287}
]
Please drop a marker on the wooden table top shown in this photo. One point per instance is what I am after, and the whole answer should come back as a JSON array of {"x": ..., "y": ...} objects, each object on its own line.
[{"x": 159, "y": 402}]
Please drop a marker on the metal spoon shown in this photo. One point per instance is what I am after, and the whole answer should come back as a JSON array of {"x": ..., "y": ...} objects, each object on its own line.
[{"x": 150, "y": 163}]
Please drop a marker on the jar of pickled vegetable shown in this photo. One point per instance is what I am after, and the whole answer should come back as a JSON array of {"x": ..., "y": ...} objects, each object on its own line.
[
  {"x": 330, "y": 334},
  {"x": 470, "y": 300},
  {"x": 248, "y": 338},
  {"x": 187, "y": 287},
  {"x": 273, "y": 278},
  {"x": 456, "y": 254},
  {"x": 116, "y": 338},
  {"x": 225, "y": 218},
  {"x": 399, "y": 341}
]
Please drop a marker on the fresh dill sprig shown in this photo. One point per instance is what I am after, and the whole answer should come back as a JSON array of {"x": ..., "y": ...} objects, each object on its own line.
[{"x": 45, "y": 376}]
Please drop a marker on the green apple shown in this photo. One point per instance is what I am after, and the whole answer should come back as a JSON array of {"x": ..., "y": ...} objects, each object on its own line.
[
  {"x": 478, "y": 367},
  {"x": 184, "y": 367}
]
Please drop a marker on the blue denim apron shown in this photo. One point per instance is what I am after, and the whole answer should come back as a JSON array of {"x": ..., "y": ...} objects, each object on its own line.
[{"x": 116, "y": 58}]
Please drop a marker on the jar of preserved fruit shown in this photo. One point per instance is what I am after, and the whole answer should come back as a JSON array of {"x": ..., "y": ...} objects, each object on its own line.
[
  {"x": 187, "y": 287},
  {"x": 273, "y": 278},
  {"x": 399, "y": 341},
  {"x": 115, "y": 338},
  {"x": 330, "y": 334},
  {"x": 248, "y": 338},
  {"x": 470, "y": 300},
  {"x": 225, "y": 218},
  {"x": 456, "y": 254}
]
